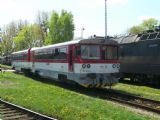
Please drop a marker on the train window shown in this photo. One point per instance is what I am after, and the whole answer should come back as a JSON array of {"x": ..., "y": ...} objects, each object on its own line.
[
  {"x": 39, "y": 55},
  {"x": 47, "y": 54},
  {"x": 60, "y": 54},
  {"x": 90, "y": 52},
  {"x": 20, "y": 56},
  {"x": 56, "y": 50},
  {"x": 110, "y": 53},
  {"x": 152, "y": 36},
  {"x": 158, "y": 36},
  {"x": 24, "y": 56},
  {"x": 144, "y": 37},
  {"x": 52, "y": 54},
  {"x": 63, "y": 53}
]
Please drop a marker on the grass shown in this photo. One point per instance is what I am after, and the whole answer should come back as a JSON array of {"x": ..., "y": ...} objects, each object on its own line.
[
  {"x": 5, "y": 66},
  {"x": 59, "y": 102},
  {"x": 147, "y": 92}
]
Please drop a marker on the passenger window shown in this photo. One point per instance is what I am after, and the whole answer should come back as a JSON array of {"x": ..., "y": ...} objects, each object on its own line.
[
  {"x": 52, "y": 54},
  {"x": 60, "y": 54}
]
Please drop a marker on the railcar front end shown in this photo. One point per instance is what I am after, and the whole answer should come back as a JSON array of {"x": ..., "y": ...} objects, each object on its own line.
[{"x": 95, "y": 64}]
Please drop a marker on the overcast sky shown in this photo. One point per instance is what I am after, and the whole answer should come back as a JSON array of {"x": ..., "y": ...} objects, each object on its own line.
[{"x": 89, "y": 14}]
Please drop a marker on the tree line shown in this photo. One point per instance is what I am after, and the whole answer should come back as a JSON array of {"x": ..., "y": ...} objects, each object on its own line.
[
  {"x": 149, "y": 24},
  {"x": 49, "y": 28}
]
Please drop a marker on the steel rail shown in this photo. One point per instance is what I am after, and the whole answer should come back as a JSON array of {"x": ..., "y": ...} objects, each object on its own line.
[
  {"x": 9, "y": 111},
  {"x": 135, "y": 101}
]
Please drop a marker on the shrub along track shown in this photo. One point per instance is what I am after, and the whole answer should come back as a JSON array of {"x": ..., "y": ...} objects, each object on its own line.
[{"x": 10, "y": 111}]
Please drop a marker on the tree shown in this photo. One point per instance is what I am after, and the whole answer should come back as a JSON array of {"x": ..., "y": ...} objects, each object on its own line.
[
  {"x": 37, "y": 40},
  {"x": 24, "y": 39},
  {"x": 136, "y": 29},
  {"x": 53, "y": 29},
  {"x": 150, "y": 24},
  {"x": 42, "y": 22},
  {"x": 8, "y": 33},
  {"x": 21, "y": 35},
  {"x": 6, "y": 45},
  {"x": 145, "y": 25},
  {"x": 67, "y": 26},
  {"x": 61, "y": 27},
  {"x": 21, "y": 24}
]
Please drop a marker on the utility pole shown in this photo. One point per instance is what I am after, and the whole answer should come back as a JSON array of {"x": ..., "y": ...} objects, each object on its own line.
[
  {"x": 105, "y": 18},
  {"x": 82, "y": 32}
]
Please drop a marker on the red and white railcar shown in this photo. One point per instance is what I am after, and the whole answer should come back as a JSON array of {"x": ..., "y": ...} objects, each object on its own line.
[
  {"x": 21, "y": 60},
  {"x": 88, "y": 62}
]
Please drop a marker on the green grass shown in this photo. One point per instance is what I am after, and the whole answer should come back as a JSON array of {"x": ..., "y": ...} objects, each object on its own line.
[
  {"x": 144, "y": 91},
  {"x": 59, "y": 102},
  {"x": 5, "y": 66}
]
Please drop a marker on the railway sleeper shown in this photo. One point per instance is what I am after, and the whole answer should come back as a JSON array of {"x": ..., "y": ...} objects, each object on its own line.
[{"x": 15, "y": 117}]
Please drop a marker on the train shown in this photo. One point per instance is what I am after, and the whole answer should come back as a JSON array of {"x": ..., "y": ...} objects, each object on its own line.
[
  {"x": 91, "y": 62},
  {"x": 6, "y": 60},
  {"x": 139, "y": 56}
]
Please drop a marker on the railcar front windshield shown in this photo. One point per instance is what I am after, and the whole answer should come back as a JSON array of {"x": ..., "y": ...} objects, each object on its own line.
[
  {"x": 110, "y": 52},
  {"x": 98, "y": 52},
  {"x": 90, "y": 52}
]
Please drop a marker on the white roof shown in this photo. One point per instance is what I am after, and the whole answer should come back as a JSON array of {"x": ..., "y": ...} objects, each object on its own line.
[
  {"x": 22, "y": 51},
  {"x": 58, "y": 44},
  {"x": 82, "y": 41}
]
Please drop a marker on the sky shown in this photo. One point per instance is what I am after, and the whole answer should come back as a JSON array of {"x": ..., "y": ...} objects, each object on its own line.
[{"x": 88, "y": 14}]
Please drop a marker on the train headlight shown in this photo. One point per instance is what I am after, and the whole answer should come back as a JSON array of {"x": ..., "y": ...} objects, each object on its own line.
[
  {"x": 114, "y": 66},
  {"x": 84, "y": 66},
  {"x": 118, "y": 65},
  {"x": 88, "y": 65}
]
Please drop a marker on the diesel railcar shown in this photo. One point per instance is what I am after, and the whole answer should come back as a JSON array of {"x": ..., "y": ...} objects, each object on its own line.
[
  {"x": 88, "y": 62},
  {"x": 139, "y": 56}
]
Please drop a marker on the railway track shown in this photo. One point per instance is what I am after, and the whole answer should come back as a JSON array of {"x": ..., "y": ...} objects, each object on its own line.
[
  {"x": 133, "y": 100},
  {"x": 10, "y": 111},
  {"x": 112, "y": 95}
]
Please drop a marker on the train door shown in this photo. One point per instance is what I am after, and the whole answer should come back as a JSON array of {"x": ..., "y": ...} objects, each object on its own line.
[
  {"x": 29, "y": 59},
  {"x": 71, "y": 58},
  {"x": 33, "y": 62}
]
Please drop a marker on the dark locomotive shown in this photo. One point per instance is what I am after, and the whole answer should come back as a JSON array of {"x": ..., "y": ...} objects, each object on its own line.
[{"x": 140, "y": 57}]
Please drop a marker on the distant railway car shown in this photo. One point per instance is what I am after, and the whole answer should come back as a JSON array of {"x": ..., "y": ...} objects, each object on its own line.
[
  {"x": 89, "y": 62},
  {"x": 21, "y": 60},
  {"x": 6, "y": 60},
  {"x": 140, "y": 57}
]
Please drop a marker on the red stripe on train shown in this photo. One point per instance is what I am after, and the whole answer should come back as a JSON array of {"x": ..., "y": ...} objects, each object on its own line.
[{"x": 76, "y": 61}]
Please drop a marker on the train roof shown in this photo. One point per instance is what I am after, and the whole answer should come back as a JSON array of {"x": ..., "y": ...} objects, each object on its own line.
[
  {"x": 102, "y": 40},
  {"x": 81, "y": 41},
  {"x": 152, "y": 35},
  {"x": 127, "y": 39},
  {"x": 24, "y": 51}
]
